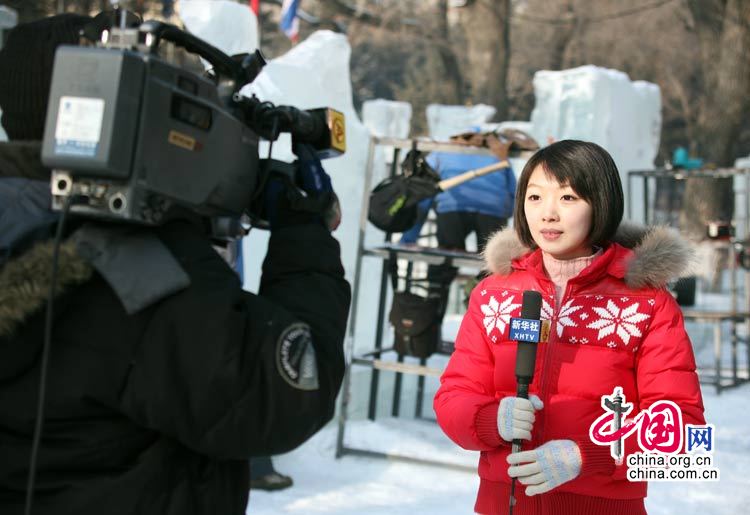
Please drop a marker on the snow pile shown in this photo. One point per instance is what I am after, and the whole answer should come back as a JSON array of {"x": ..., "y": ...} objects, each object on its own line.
[
  {"x": 229, "y": 26},
  {"x": 604, "y": 106},
  {"x": 446, "y": 120},
  {"x": 387, "y": 117}
]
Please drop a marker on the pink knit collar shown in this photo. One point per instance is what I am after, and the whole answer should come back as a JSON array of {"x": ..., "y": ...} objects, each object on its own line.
[{"x": 560, "y": 271}]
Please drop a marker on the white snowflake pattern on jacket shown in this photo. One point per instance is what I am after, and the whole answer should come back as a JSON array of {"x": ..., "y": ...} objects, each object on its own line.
[
  {"x": 498, "y": 315},
  {"x": 610, "y": 324},
  {"x": 564, "y": 317},
  {"x": 623, "y": 322}
]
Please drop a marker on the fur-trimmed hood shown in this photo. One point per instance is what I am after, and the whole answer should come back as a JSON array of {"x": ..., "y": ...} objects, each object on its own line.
[
  {"x": 25, "y": 281},
  {"x": 660, "y": 254},
  {"x": 25, "y": 221}
]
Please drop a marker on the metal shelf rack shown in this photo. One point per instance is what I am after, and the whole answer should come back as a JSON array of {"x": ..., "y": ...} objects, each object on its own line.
[
  {"x": 389, "y": 253},
  {"x": 719, "y": 376}
]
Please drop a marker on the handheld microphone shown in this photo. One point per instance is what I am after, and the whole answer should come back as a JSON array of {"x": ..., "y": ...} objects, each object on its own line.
[{"x": 527, "y": 331}]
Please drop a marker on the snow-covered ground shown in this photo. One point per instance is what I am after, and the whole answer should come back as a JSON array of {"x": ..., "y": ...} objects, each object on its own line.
[{"x": 324, "y": 484}]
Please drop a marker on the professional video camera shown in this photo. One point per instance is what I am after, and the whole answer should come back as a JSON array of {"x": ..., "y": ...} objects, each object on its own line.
[{"x": 129, "y": 135}]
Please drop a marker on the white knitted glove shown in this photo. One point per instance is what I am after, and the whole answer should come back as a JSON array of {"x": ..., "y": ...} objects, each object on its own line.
[
  {"x": 515, "y": 417},
  {"x": 546, "y": 467}
]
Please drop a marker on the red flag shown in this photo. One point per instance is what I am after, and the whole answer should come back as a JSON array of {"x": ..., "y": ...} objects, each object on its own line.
[{"x": 255, "y": 6}]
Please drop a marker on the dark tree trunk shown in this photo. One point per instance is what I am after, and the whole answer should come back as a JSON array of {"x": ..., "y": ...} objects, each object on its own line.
[
  {"x": 486, "y": 25},
  {"x": 723, "y": 28},
  {"x": 562, "y": 38},
  {"x": 724, "y": 31},
  {"x": 448, "y": 54}
]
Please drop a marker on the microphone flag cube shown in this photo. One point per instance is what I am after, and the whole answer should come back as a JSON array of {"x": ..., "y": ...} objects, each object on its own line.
[{"x": 529, "y": 330}]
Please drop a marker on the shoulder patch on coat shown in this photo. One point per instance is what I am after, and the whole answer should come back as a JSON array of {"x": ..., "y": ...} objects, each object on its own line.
[{"x": 295, "y": 357}]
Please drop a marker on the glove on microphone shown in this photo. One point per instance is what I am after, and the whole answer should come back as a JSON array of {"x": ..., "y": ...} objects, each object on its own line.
[{"x": 515, "y": 417}]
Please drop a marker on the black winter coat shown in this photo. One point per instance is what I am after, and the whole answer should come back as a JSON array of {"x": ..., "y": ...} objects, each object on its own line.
[{"x": 157, "y": 412}]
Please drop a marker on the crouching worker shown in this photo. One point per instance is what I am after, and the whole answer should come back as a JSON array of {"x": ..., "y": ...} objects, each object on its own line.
[{"x": 164, "y": 376}]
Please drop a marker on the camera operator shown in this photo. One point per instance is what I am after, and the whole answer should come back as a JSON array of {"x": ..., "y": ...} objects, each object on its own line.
[{"x": 164, "y": 375}]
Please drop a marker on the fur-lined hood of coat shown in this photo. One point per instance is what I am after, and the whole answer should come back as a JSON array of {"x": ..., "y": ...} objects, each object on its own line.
[
  {"x": 660, "y": 254},
  {"x": 25, "y": 218},
  {"x": 25, "y": 281}
]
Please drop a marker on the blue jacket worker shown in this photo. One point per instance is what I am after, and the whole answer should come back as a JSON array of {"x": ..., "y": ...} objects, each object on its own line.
[{"x": 482, "y": 206}]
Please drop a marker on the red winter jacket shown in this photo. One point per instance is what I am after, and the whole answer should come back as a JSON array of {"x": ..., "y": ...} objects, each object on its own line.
[{"x": 616, "y": 326}]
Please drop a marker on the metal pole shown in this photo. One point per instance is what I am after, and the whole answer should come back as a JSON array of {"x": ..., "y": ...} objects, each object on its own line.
[
  {"x": 420, "y": 391},
  {"x": 630, "y": 193},
  {"x": 717, "y": 354},
  {"x": 396, "y": 406},
  {"x": 735, "y": 380},
  {"x": 349, "y": 347},
  {"x": 733, "y": 276},
  {"x": 374, "y": 379},
  {"x": 645, "y": 200}
]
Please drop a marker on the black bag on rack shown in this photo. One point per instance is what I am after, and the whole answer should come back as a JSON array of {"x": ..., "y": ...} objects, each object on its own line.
[
  {"x": 416, "y": 321},
  {"x": 393, "y": 202}
]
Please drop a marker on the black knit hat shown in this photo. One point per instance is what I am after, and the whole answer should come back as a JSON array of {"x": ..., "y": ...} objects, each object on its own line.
[{"x": 26, "y": 63}]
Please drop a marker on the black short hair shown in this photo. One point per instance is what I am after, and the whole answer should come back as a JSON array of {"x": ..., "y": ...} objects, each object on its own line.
[{"x": 593, "y": 175}]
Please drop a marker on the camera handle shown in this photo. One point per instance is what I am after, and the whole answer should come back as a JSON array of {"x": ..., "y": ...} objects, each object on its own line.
[{"x": 154, "y": 31}]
